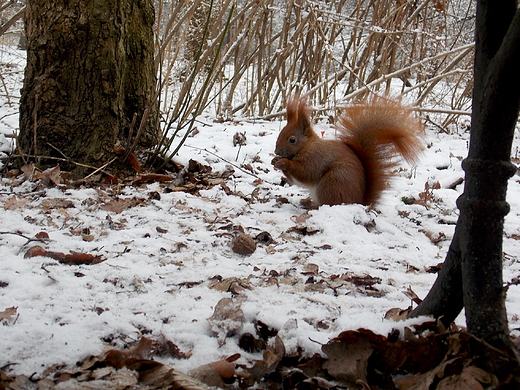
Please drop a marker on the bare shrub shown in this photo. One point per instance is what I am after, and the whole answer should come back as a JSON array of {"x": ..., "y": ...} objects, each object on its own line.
[{"x": 240, "y": 58}]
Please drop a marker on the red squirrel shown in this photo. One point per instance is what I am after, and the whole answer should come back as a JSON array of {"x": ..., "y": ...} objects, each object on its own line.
[{"x": 356, "y": 167}]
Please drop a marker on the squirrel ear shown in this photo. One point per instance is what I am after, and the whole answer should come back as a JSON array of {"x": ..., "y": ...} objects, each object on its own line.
[
  {"x": 304, "y": 120},
  {"x": 298, "y": 113},
  {"x": 292, "y": 110}
]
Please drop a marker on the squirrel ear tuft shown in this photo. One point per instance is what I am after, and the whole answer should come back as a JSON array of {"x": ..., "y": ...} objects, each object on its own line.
[
  {"x": 298, "y": 113},
  {"x": 292, "y": 110},
  {"x": 304, "y": 120}
]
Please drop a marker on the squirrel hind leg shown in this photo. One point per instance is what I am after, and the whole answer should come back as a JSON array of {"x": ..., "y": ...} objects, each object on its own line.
[{"x": 336, "y": 189}]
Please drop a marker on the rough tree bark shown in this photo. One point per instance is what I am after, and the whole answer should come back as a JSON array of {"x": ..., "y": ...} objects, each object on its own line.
[
  {"x": 90, "y": 70},
  {"x": 471, "y": 276}
]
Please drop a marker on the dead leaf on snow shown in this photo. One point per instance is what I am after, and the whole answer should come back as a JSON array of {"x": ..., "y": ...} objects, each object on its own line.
[
  {"x": 72, "y": 258},
  {"x": 13, "y": 203},
  {"x": 271, "y": 358},
  {"x": 214, "y": 374},
  {"x": 8, "y": 313},
  {"x": 303, "y": 230},
  {"x": 412, "y": 295},
  {"x": 397, "y": 314},
  {"x": 233, "y": 285},
  {"x": 119, "y": 205},
  {"x": 227, "y": 318},
  {"x": 300, "y": 219},
  {"x": 151, "y": 178},
  {"x": 118, "y": 359},
  {"x": 136, "y": 363},
  {"x": 51, "y": 175},
  {"x": 348, "y": 357},
  {"x": 28, "y": 170},
  {"x": 311, "y": 269},
  {"x": 57, "y": 203}
]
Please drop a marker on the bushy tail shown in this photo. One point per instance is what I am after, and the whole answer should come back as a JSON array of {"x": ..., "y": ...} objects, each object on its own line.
[{"x": 379, "y": 130}]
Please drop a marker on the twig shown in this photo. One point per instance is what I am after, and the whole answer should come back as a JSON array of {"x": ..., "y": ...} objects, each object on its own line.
[
  {"x": 442, "y": 129},
  {"x": 60, "y": 159},
  {"x": 101, "y": 168},
  {"x": 223, "y": 159},
  {"x": 29, "y": 239}
]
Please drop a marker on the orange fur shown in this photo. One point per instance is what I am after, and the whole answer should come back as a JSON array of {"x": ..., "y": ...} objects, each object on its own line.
[{"x": 357, "y": 166}]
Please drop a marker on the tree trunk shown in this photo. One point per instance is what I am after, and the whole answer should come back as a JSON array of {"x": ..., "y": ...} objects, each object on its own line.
[
  {"x": 471, "y": 276},
  {"x": 89, "y": 71}
]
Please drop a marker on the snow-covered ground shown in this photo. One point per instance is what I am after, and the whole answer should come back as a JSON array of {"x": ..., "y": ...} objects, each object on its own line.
[{"x": 165, "y": 252}]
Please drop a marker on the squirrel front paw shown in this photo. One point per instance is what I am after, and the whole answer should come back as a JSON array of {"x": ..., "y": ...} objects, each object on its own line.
[
  {"x": 275, "y": 159},
  {"x": 280, "y": 163}
]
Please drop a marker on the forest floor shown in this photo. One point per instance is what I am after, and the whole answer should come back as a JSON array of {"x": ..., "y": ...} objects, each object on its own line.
[{"x": 220, "y": 273}]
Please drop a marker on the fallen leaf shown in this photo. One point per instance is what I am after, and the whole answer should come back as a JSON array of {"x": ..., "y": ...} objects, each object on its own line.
[
  {"x": 214, "y": 374},
  {"x": 119, "y": 359},
  {"x": 412, "y": 295},
  {"x": 8, "y": 313},
  {"x": 119, "y": 205},
  {"x": 311, "y": 269},
  {"x": 348, "y": 357},
  {"x": 13, "y": 203},
  {"x": 28, "y": 170},
  {"x": 272, "y": 357},
  {"x": 57, "y": 203},
  {"x": 71, "y": 258},
  {"x": 227, "y": 318},
  {"x": 35, "y": 251},
  {"x": 234, "y": 285},
  {"x": 51, "y": 175},
  {"x": 42, "y": 235},
  {"x": 151, "y": 178}
]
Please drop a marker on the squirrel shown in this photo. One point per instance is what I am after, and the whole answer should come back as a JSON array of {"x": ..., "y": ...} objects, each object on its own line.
[{"x": 356, "y": 167}]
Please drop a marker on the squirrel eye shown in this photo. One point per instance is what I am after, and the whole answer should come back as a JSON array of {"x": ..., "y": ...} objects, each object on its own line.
[{"x": 292, "y": 140}]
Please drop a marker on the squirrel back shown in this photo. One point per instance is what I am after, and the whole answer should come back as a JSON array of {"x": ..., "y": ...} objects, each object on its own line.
[{"x": 357, "y": 166}]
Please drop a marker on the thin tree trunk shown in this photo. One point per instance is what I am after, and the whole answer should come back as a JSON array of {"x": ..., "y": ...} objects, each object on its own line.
[
  {"x": 471, "y": 276},
  {"x": 89, "y": 72}
]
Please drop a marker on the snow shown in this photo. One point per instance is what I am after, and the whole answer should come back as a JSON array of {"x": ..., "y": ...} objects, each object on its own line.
[{"x": 162, "y": 255}]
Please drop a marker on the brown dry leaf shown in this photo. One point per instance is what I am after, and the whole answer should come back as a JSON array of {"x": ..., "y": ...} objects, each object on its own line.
[
  {"x": 234, "y": 285},
  {"x": 28, "y": 170},
  {"x": 348, "y": 357},
  {"x": 51, "y": 175},
  {"x": 303, "y": 230},
  {"x": 119, "y": 205},
  {"x": 471, "y": 378},
  {"x": 132, "y": 160},
  {"x": 271, "y": 358},
  {"x": 300, "y": 219},
  {"x": 150, "y": 373},
  {"x": 311, "y": 269},
  {"x": 397, "y": 314},
  {"x": 13, "y": 203},
  {"x": 73, "y": 258},
  {"x": 35, "y": 251},
  {"x": 151, "y": 178},
  {"x": 159, "y": 376},
  {"x": 57, "y": 203},
  {"x": 412, "y": 295},
  {"x": 8, "y": 313},
  {"x": 42, "y": 235},
  {"x": 435, "y": 239},
  {"x": 119, "y": 359},
  {"x": 226, "y": 319},
  {"x": 365, "y": 280},
  {"x": 213, "y": 374},
  {"x": 134, "y": 163}
]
